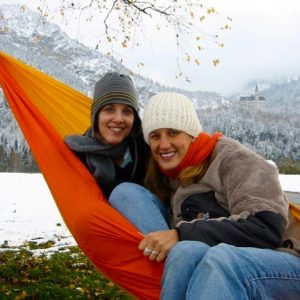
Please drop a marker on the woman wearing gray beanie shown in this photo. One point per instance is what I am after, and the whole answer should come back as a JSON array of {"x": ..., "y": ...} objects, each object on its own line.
[
  {"x": 113, "y": 148},
  {"x": 227, "y": 211}
]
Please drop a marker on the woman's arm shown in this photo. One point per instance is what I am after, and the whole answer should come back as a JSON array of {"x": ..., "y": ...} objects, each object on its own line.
[{"x": 263, "y": 230}]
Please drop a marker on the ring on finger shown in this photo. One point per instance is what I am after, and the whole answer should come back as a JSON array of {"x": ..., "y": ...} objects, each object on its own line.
[
  {"x": 155, "y": 253},
  {"x": 147, "y": 251}
]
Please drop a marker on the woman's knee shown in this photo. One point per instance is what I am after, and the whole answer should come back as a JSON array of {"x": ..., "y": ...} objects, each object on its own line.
[
  {"x": 124, "y": 188},
  {"x": 124, "y": 191},
  {"x": 139, "y": 206},
  {"x": 221, "y": 257},
  {"x": 130, "y": 194},
  {"x": 187, "y": 252}
]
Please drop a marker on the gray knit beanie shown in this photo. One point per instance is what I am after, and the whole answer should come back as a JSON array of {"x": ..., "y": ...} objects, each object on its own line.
[
  {"x": 114, "y": 87},
  {"x": 170, "y": 110}
]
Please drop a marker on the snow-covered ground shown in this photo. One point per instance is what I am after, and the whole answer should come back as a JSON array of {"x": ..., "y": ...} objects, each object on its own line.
[{"x": 28, "y": 211}]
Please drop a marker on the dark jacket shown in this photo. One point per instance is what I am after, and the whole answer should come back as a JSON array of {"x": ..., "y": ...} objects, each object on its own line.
[{"x": 101, "y": 160}]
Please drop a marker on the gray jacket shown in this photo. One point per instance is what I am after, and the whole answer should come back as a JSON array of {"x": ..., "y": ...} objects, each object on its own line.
[{"x": 238, "y": 201}]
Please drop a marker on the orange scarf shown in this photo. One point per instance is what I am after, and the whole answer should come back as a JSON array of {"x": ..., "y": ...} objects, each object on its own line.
[{"x": 198, "y": 151}]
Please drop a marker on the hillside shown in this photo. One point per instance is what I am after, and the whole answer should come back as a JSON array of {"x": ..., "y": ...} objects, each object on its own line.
[
  {"x": 274, "y": 133},
  {"x": 25, "y": 35}
]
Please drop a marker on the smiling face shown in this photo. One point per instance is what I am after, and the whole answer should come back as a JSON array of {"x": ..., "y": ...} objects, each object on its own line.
[
  {"x": 169, "y": 146},
  {"x": 115, "y": 122}
]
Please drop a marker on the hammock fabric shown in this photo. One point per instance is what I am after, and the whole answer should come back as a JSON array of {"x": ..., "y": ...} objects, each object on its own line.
[
  {"x": 46, "y": 111},
  {"x": 295, "y": 210}
]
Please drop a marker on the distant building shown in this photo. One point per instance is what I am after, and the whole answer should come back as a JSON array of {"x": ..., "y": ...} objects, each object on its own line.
[{"x": 255, "y": 101}]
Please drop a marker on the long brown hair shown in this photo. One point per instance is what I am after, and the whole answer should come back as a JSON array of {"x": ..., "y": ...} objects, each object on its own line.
[
  {"x": 193, "y": 174},
  {"x": 157, "y": 182}
]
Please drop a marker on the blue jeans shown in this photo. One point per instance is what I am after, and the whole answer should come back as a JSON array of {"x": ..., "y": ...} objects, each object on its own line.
[
  {"x": 141, "y": 207},
  {"x": 193, "y": 270}
]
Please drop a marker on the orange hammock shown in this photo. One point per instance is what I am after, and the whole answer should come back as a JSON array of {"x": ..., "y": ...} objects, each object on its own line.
[
  {"x": 46, "y": 111},
  {"x": 295, "y": 211}
]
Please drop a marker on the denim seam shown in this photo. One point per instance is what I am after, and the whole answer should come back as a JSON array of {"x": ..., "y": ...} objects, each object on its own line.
[
  {"x": 284, "y": 277},
  {"x": 249, "y": 282}
]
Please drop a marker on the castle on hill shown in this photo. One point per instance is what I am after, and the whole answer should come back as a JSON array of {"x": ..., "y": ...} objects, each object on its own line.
[{"x": 255, "y": 101}]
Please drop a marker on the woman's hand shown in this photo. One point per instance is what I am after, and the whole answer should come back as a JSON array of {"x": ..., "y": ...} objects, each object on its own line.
[{"x": 157, "y": 244}]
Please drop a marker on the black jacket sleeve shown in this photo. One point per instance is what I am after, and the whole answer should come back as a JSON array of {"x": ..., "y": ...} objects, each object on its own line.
[{"x": 263, "y": 230}]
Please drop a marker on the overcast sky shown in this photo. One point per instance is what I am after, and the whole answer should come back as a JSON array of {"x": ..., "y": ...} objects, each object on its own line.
[{"x": 263, "y": 43}]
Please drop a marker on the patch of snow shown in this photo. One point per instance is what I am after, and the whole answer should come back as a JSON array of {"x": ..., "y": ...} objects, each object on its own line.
[{"x": 28, "y": 212}]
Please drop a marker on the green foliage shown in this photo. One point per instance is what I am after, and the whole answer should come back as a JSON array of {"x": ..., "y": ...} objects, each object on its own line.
[
  {"x": 62, "y": 276},
  {"x": 14, "y": 161},
  {"x": 288, "y": 166},
  {"x": 34, "y": 245}
]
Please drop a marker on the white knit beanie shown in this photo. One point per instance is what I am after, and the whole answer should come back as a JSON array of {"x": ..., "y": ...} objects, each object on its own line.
[{"x": 170, "y": 110}]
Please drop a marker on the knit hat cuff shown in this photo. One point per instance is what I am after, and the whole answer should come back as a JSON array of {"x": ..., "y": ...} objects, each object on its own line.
[
  {"x": 191, "y": 129},
  {"x": 114, "y": 97}
]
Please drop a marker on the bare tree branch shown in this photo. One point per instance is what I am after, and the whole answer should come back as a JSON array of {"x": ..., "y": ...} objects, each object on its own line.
[
  {"x": 89, "y": 5},
  {"x": 144, "y": 9},
  {"x": 107, "y": 16},
  {"x": 123, "y": 21}
]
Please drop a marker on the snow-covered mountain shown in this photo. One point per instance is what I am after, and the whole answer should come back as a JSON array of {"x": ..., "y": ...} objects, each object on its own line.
[
  {"x": 274, "y": 133},
  {"x": 27, "y": 36},
  {"x": 282, "y": 95}
]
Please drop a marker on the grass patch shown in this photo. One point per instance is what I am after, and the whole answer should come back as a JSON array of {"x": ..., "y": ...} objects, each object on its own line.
[
  {"x": 288, "y": 166},
  {"x": 62, "y": 276}
]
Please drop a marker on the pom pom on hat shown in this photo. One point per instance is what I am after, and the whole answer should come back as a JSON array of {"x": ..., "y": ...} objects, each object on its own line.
[{"x": 170, "y": 110}]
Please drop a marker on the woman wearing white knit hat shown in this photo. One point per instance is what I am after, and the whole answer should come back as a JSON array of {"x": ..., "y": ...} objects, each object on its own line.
[{"x": 223, "y": 198}]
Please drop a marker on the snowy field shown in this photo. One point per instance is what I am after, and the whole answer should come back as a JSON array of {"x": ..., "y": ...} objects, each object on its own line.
[{"x": 28, "y": 211}]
